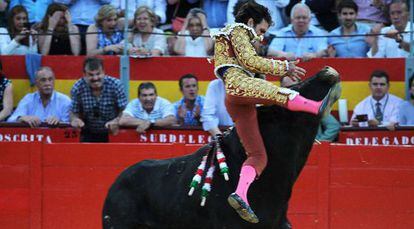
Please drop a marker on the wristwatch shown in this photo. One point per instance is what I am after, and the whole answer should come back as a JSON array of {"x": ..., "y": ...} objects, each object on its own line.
[
  {"x": 152, "y": 123},
  {"x": 399, "y": 38}
]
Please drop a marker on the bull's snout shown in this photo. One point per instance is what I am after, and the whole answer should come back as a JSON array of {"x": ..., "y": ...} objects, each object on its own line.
[{"x": 331, "y": 71}]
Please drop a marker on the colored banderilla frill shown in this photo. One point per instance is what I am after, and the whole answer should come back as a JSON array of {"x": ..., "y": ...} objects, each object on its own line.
[
  {"x": 208, "y": 180},
  {"x": 224, "y": 169},
  {"x": 199, "y": 174},
  {"x": 207, "y": 183}
]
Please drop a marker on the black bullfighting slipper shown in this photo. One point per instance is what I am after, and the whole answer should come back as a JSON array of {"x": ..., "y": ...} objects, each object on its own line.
[{"x": 242, "y": 208}]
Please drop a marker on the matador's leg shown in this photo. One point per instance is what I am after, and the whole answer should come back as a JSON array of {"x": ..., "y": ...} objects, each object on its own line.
[
  {"x": 242, "y": 95},
  {"x": 243, "y": 89},
  {"x": 245, "y": 119}
]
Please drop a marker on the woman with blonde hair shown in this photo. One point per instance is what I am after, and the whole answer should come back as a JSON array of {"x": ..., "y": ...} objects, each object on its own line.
[
  {"x": 104, "y": 37},
  {"x": 61, "y": 37},
  {"x": 145, "y": 39}
]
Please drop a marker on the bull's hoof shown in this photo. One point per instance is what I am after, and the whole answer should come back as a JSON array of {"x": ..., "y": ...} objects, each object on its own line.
[
  {"x": 242, "y": 208},
  {"x": 330, "y": 98}
]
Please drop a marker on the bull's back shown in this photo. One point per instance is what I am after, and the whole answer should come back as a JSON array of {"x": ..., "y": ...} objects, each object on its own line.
[{"x": 152, "y": 191}]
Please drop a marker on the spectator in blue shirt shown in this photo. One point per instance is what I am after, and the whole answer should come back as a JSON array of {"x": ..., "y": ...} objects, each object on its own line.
[
  {"x": 97, "y": 102},
  {"x": 188, "y": 109},
  {"x": 216, "y": 12},
  {"x": 296, "y": 40},
  {"x": 406, "y": 111},
  {"x": 214, "y": 113},
  {"x": 148, "y": 110},
  {"x": 354, "y": 46},
  {"x": 36, "y": 9},
  {"x": 44, "y": 105}
]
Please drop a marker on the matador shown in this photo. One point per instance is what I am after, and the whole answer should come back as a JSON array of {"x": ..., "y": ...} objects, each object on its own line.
[{"x": 236, "y": 62}]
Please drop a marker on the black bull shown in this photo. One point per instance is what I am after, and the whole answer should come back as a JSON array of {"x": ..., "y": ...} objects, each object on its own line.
[{"x": 153, "y": 193}]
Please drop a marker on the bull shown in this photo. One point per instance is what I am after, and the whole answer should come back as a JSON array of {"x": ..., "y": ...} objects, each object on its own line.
[{"x": 153, "y": 193}]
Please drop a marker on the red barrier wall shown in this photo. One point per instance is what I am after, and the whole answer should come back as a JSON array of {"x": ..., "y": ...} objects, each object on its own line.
[{"x": 63, "y": 185}]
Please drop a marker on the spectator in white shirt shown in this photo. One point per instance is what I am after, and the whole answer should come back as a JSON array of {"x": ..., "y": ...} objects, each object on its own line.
[
  {"x": 148, "y": 110},
  {"x": 145, "y": 39},
  {"x": 18, "y": 38},
  {"x": 196, "y": 41},
  {"x": 158, "y": 6},
  {"x": 214, "y": 113},
  {"x": 395, "y": 43},
  {"x": 381, "y": 107}
]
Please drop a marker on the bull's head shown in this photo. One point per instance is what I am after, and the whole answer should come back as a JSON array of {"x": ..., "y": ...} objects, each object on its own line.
[{"x": 317, "y": 86}]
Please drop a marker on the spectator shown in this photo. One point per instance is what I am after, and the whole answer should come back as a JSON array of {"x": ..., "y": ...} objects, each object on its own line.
[
  {"x": 406, "y": 115},
  {"x": 104, "y": 37},
  {"x": 323, "y": 12},
  {"x": 97, "y": 102},
  {"x": 6, "y": 95},
  {"x": 82, "y": 13},
  {"x": 329, "y": 128},
  {"x": 141, "y": 41},
  {"x": 301, "y": 45},
  {"x": 18, "y": 38},
  {"x": 4, "y": 5},
  {"x": 148, "y": 110},
  {"x": 177, "y": 11},
  {"x": 44, "y": 105},
  {"x": 197, "y": 43},
  {"x": 159, "y": 7},
  {"x": 372, "y": 13},
  {"x": 276, "y": 9},
  {"x": 355, "y": 46},
  {"x": 216, "y": 11},
  {"x": 188, "y": 109},
  {"x": 214, "y": 113},
  {"x": 380, "y": 107},
  {"x": 62, "y": 36},
  {"x": 36, "y": 9},
  {"x": 394, "y": 43}
]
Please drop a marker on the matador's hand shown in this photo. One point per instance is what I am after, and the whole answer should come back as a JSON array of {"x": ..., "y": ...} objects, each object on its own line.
[{"x": 294, "y": 71}]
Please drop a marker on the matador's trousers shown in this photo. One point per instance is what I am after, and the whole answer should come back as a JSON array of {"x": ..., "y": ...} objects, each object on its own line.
[{"x": 242, "y": 94}]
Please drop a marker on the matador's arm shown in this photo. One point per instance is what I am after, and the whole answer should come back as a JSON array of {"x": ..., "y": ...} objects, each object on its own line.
[{"x": 248, "y": 58}]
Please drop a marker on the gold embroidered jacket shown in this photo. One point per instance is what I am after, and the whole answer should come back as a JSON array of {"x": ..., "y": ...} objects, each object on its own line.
[{"x": 233, "y": 48}]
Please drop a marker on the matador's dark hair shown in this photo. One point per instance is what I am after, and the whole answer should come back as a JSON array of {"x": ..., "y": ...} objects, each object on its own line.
[{"x": 253, "y": 10}]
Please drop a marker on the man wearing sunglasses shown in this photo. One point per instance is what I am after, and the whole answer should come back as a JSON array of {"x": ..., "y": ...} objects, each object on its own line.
[{"x": 381, "y": 107}]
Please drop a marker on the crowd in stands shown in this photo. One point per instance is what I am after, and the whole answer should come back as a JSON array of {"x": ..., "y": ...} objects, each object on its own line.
[
  {"x": 301, "y": 29},
  {"x": 95, "y": 27},
  {"x": 99, "y": 105}
]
